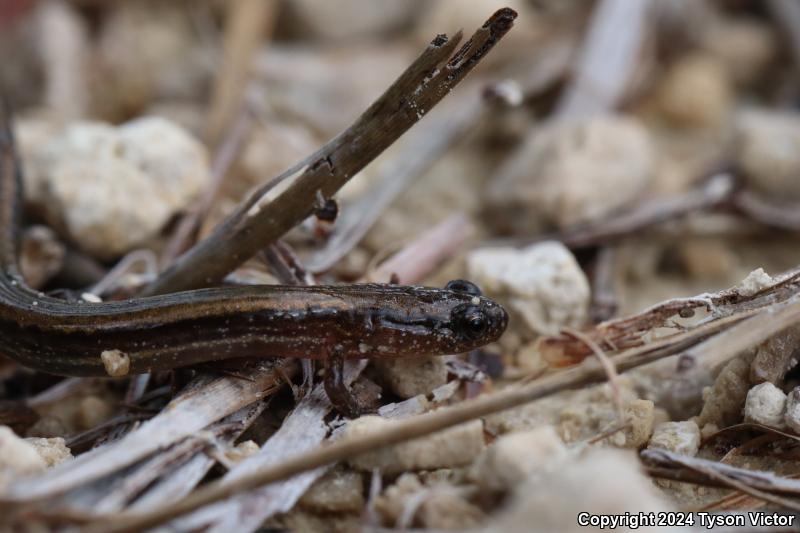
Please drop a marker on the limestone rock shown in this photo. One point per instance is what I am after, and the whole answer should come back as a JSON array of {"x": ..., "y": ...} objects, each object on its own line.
[
  {"x": 543, "y": 284},
  {"x": 112, "y": 188},
  {"x": 695, "y": 92},
  {"x": 457, "y": 446},
  {"x": 513, "y": 457},
  {"x": 572, "y": 172},
  {"x": 767, "y": 149},
  {"x": 765, "y": 404},
  {"x": 604, "y": 481},
  {"x": 679, "y": 437},
  {"x": 408, "y": 377}
]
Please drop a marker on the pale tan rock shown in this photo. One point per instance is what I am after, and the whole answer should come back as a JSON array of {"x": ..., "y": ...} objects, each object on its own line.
[
  {"x": 754, "y": 282},
  {"x": 765, "y": 404},
  {"x": 529, "y": 359},
  {"x": 513, "y": 457},
  {"x": 53, "y": 450},
  {"x": 660, "y": 415},
  {"x": 110, "y": 189},
  {"x": 270, "y": 149},
  {"x": 708, "y": 430},
  {"x": 93, "y": 411},
  {"x": 571, "y": 172},
  {"x": 392, "y": 501},
  {"x": 792, "y": 416},
  {"x": 640, "y": 417},
  {"x": 437, "y": 506},
  {"x": 408, "y": 377},
  {"x": 18, "y": 458},
  {"x": 776, "y": 356},
  {"x": 603, "y": 481},
  {"x": 192, "y": 117},
  {"x": 679, "y": 437},
  {"x": 680, "y": 23},
  {"x": 171, "y": 59},
  {"x": 248, "y": 447},
  {"x": 577, "y": 415},
  {"x": 19, "y": 455},
  {"x": 33, "y": 133},
  {"x": 724, "y": 401},
  {"x": 242, "y": 451},
  {"x": 445, "y": 509},
  {"x": 337, "y": 491},
  {"x": 744, "y": 45},
  {"x": 767, "y": 149},
  {"x": 41, "y": 255},
  {"x": 680, "y": 396},
  {"x": 298, "y": 519},
  {"x": 695, "y": 92},
  {"x": 174, "y": 160},
  {"x": 683, "y": 155},
  {"x": 453, "y": 447},
  {"x": 543, "y": 284},
  {"x": 707, "y": 259},
  {"x": 116, "y": 363},
  {"x": 47, "y": 427}
]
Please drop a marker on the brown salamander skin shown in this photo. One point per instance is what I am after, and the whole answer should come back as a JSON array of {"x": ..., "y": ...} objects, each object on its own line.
[{"x": 186, "y": 328}]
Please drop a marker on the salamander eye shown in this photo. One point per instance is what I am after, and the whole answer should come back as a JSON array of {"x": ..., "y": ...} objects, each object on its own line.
[
  {"x": 462, "y": 285},
  {"x": 471, "y": 322}
]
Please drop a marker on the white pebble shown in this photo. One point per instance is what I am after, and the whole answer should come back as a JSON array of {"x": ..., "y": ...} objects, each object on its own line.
[
  {"x": 116, "y": 363},
  {"x": 409, "y": 377},
  {"x": 112, "y": 188},
  {"x": 339, "y": 490},
  {"x": 755, "y": 281},
  {"x": 53, "y": 450},
  {"x": 599, "y": 482},
  {"x": 768, "y": 151},
  {"x": 457, "y": 446},
  {"x": 512, "y": 458},
  {"x": 17, "y": 457},
  {"x": 765, "y": 404},
  {"x": 679, "y": 437},
  {"x": 572, "y": 172},
  {"x": 792, "y": 417},
  {"x": 542, "y": 283}
]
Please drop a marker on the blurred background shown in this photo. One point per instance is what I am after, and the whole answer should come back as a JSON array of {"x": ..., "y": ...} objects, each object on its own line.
[{"x": 605, "y": 156}]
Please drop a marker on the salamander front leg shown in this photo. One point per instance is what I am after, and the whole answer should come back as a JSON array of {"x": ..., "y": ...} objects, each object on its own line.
[{"x": 338, "y": 393}]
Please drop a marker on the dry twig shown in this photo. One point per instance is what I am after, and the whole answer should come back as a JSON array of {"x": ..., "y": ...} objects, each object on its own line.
[
  {"x": 759, "y": 209},
  {"x": 424, "y": 254},
  {"x": 247, "y": 21},
  {"x": 603, "y": 305},
  {"x": 412, "y": 160},
  {"x": 608, "y": 59},
  {"x": 756, "y": 483},
  {"x": 261, "y": 220},
  {"x": 203, "y": 402},
  {"x": 626, "y": 332}
]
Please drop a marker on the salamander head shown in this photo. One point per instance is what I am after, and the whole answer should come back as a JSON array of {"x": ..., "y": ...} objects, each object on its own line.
[
  {"x": 427, "y": 321},
  {"x": 474, "y": 322}
]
